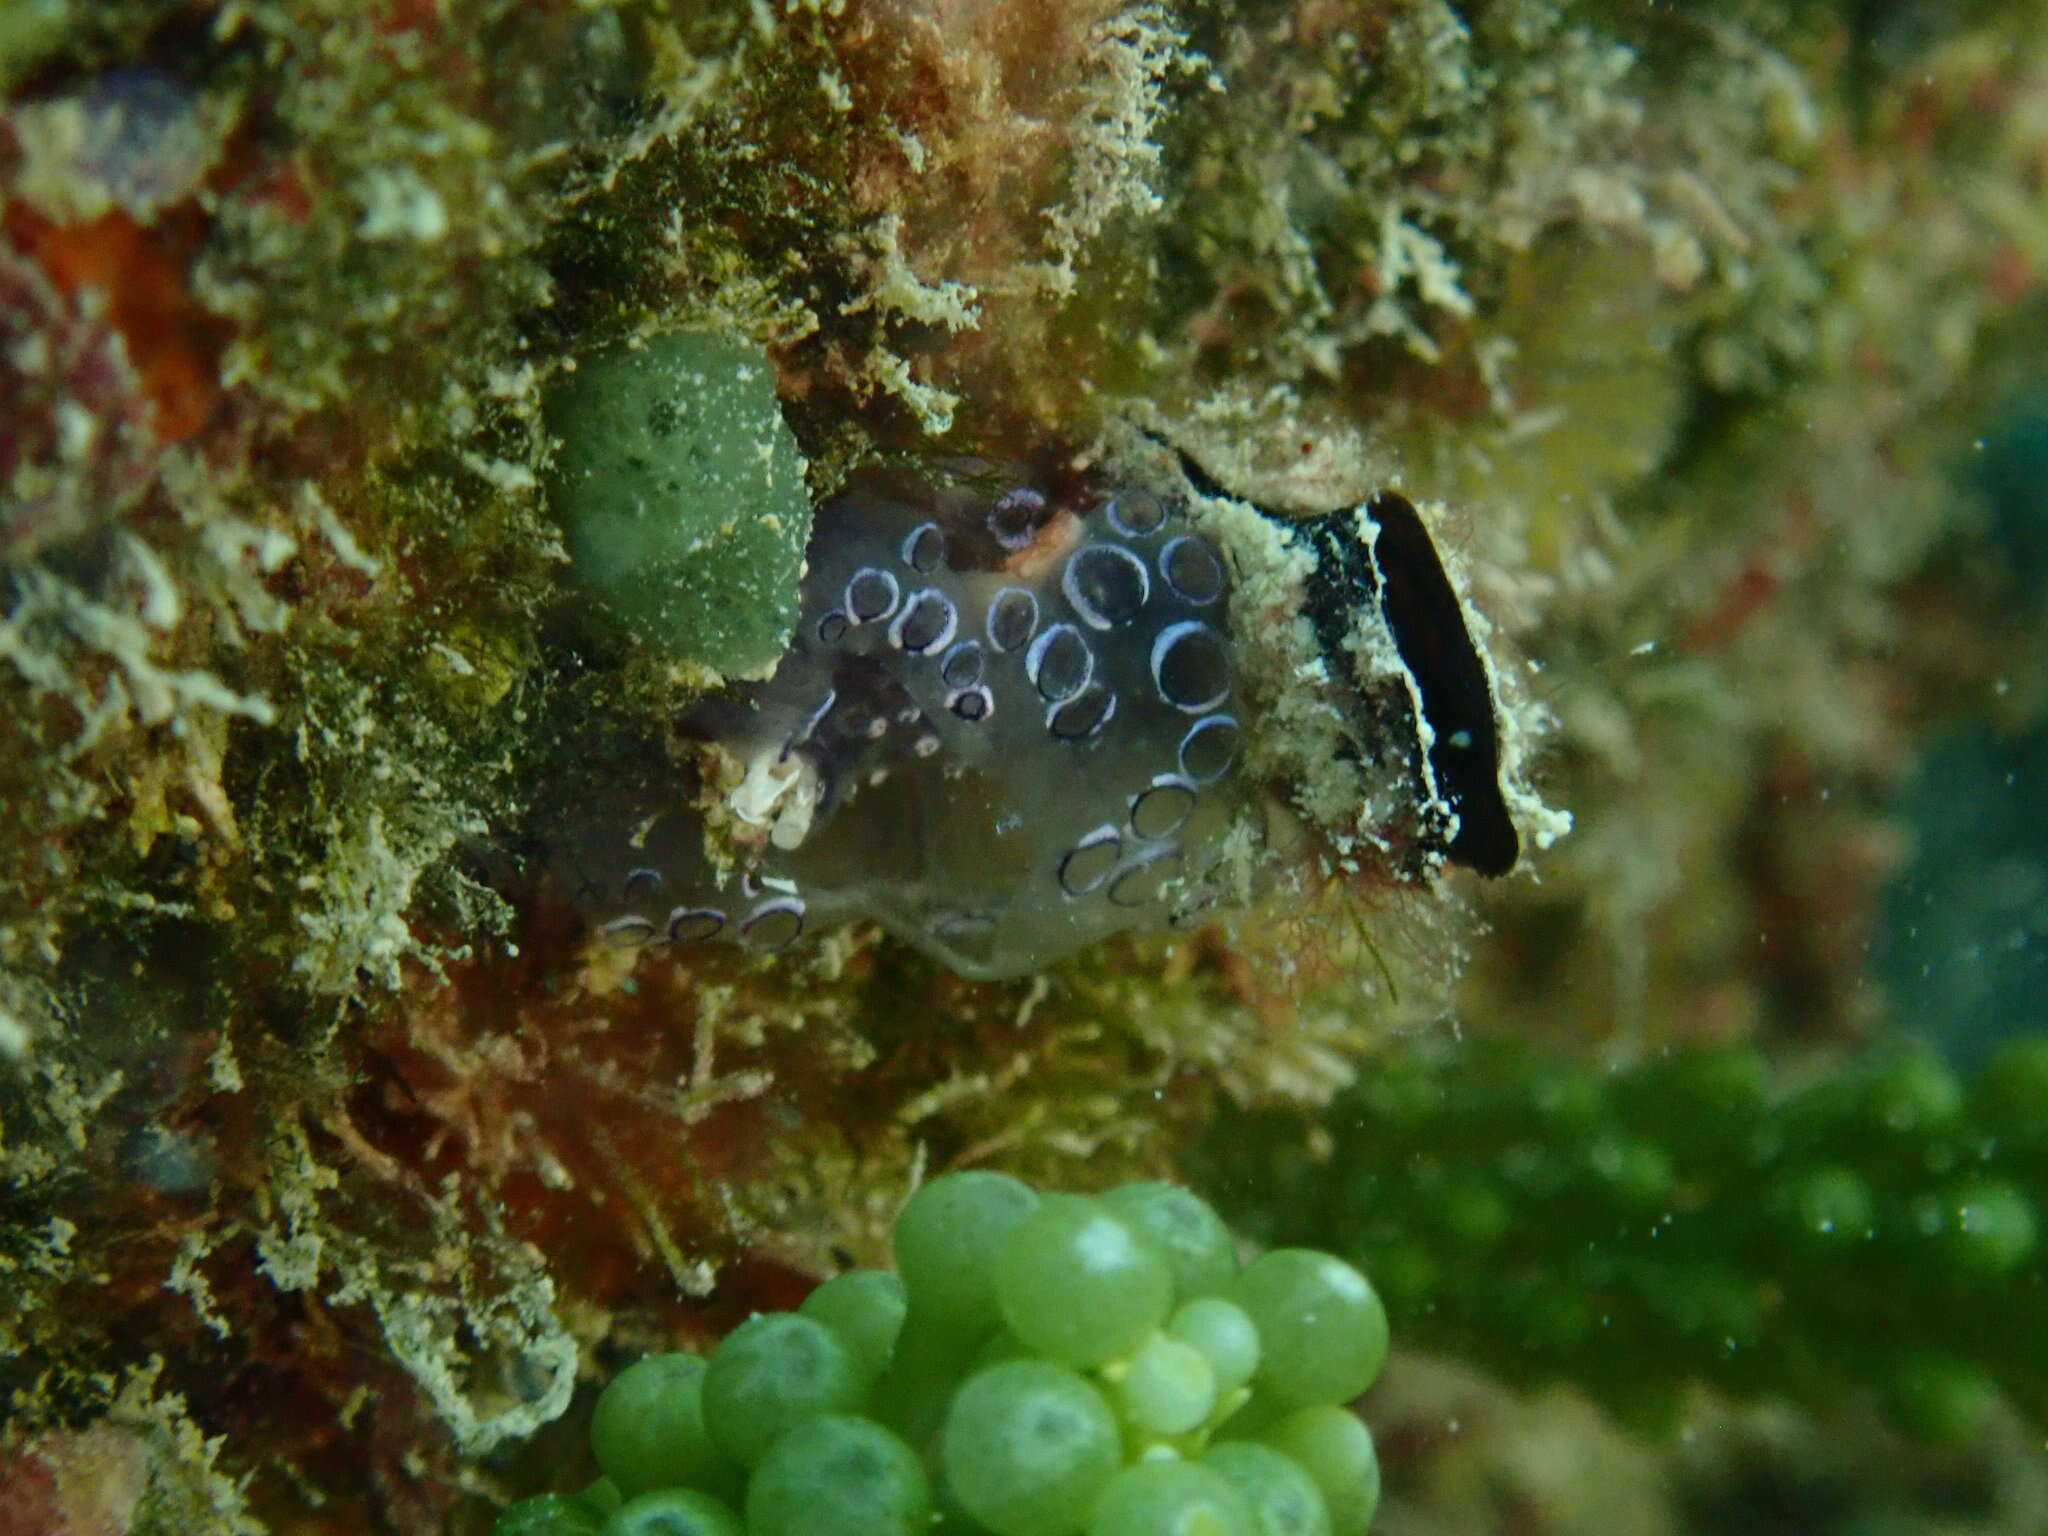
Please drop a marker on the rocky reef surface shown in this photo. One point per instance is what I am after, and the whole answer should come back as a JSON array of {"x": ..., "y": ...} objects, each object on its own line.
[{"x": 349, "y": 355}]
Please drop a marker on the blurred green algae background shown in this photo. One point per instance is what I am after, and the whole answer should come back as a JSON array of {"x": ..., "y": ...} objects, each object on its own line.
[{"x": 1702, "y": 1165}]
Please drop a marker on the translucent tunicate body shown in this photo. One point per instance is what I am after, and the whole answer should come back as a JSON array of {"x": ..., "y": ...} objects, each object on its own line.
[{"x": 1005, "y": 728}]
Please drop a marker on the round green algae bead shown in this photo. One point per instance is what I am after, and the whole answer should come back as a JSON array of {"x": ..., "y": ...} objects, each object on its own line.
[
  {"x": 1027, "y": 1447},
  {"x": 1913, "y": 1095},
  {"x": 839, "y": 1475},
  {"x": 681, "y": 497},
  {"x": 929, "y": 1362},
  {"x": 864, "y": 1309},
  {"x": 1226, "y": 1336},
  {"x": 1829, "y": 1207},
  {"x": 943, "y": 1242},
  {"x": 1472, "y": 1210},
  {"x": 1283, "y": 1499},
  {"x": 551, "y": 1514},
  {"x": 1322, "y": 1330},
  {"x": 1197, "y": 1246},
  {"x": 1078, "y": 1285},
  {"x": 1991, "y": 1228},
  {"x": 1634, "y": 1174},
  {"x": 648, "y": 1430},
  {"x": 773, "y": 1372},
  {"x": 2011, "y": 1094},
  {"x": 1170, "y": 1498},
  {"x": 1335, "y": 1449},
  {"x": 1165, "y": 1388},
  {"x": 1939, "y": 1399},
  {"x": 674, "y": 1512}
]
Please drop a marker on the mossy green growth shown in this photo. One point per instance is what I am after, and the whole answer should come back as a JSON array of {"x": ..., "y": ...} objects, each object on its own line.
[
  {"x": 681, "y": 494},
  {"x": 29, "y": 29}
]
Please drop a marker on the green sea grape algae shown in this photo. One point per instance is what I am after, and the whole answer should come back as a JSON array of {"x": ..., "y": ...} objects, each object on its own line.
[
  {"x": 1685, "y": 1220},
  {"x": 681, "y": 495},
  {"x": 1046, "y": 1365}
]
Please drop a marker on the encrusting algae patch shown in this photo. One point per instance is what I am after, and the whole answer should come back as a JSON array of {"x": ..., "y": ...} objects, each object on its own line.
[{"x": 353, "y": 571}]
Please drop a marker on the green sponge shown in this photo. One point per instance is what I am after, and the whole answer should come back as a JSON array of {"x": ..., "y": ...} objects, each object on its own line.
[{"x": 681, "y": 494}]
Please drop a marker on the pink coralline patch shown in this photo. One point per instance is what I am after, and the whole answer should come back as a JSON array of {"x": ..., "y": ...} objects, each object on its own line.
[{"x": 82, "y": 1483}]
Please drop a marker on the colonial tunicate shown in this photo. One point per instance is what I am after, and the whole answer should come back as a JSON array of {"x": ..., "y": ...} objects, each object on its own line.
[
  {"x": 681, "y": 498},
  {"x": 1011, "y": 721}
]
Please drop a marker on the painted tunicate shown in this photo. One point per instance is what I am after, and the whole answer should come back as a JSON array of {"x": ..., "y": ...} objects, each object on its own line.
[
  {"x": 1011, "y": 722},
  {"x": 952, "y": 744}
]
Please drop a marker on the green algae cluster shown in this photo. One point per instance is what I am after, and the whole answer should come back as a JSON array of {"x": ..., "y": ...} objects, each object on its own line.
[
  {"x": 681, "y": 495},
  {"x": 1038, "y": 1364},
  {"x": 1875, "y": 1231}
]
